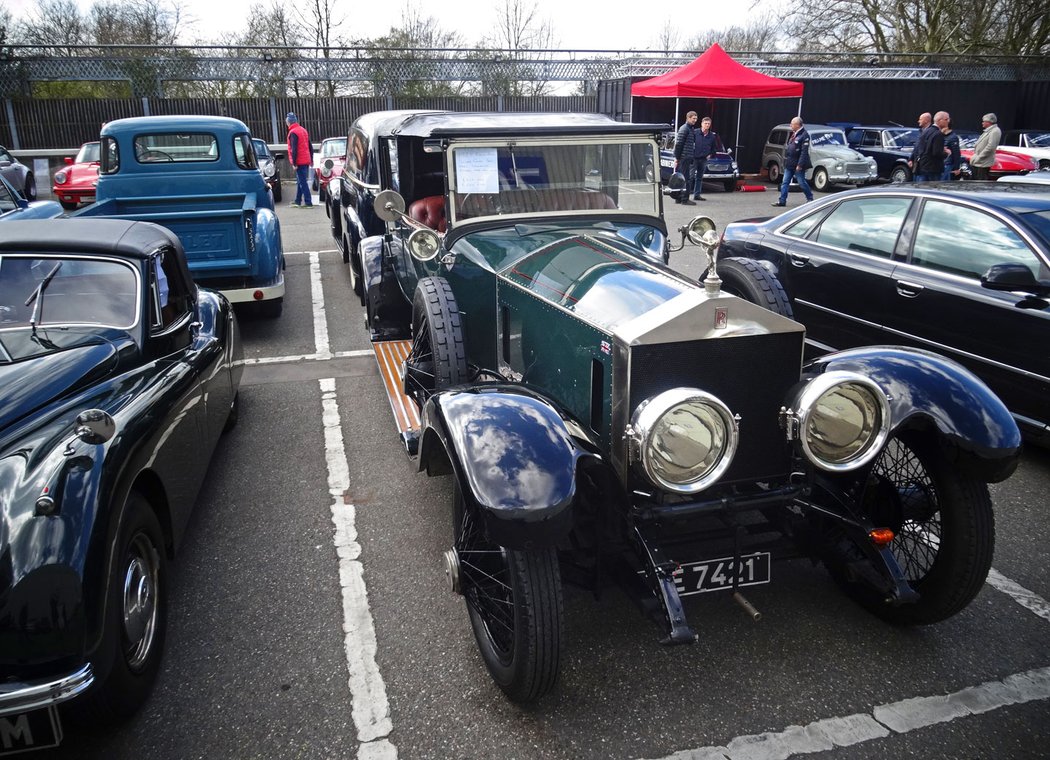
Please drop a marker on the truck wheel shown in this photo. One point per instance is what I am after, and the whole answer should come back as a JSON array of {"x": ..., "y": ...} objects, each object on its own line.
[
  {"x": 514, "y": 602},
  {"x": 820, "y": 180},
  {"x": 136, "y": 616},
  {"x": 900, "y": 174},
  {"x": 943, "y": 526},
  {"x": 438, "y": 358},
  {"x": 774, "y": 172},
  {"x": 751, "y": 281}
]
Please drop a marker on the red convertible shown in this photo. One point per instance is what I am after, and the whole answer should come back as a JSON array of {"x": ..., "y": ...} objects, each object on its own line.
[
  {"x": 328, "y": 163},
  {"x": 1005, "y": 163},
  {"x": 75, "y": 183}
]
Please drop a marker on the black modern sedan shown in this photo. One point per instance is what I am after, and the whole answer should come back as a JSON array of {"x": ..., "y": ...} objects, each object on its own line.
[{"x": 962, "y": 269}]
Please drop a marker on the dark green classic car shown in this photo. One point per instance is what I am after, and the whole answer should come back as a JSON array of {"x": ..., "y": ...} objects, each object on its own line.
[{"x": 607, "y": 419}]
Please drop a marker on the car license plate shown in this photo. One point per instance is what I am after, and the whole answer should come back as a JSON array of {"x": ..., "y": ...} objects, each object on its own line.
[
  {"x": 29, "y": 730},
  {"x": 717, "y": 574},
  {"x": 669, "y": 163}
]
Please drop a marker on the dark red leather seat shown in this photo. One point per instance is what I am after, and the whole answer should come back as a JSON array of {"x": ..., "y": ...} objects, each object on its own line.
[{"x": 430, "y": 211}]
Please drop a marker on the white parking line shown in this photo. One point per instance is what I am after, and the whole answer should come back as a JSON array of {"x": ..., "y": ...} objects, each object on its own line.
[
  {"x": 303, "y": 253},
  {"x": 370, "y": 711},
  {"x": 897, "y": 717},
  {"x": 292, "y": 359},
  {"x": 321, "y": 345}
]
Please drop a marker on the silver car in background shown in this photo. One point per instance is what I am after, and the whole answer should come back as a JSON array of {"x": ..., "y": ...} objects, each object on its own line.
[{"x": 834, "y": 162}]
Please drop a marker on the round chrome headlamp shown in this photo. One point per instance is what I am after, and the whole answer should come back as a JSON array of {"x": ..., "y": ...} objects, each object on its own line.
[
  {"x": 685, "y": 439},
  {"x": 326, "y": 168},
  {"x": 844, "y": 420},
  {"x": 60, "y": 178},
  {"x": 267, "y": 167}
]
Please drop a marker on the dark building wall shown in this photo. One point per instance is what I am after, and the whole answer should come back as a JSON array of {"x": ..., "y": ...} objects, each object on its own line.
[{"x": 863, "y": 101}]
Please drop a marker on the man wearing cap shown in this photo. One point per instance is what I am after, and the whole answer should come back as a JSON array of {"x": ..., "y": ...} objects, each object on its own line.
[
  {"x": 300, "y": 155},
  {"x": 984, "y": 150}
]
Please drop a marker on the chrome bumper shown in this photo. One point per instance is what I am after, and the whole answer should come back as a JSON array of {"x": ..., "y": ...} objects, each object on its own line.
[{"x": 23, "y": 697}]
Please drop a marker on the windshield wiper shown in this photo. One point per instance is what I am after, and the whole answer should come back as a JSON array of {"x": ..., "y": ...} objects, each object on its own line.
[{"x": 38, "y": 296}]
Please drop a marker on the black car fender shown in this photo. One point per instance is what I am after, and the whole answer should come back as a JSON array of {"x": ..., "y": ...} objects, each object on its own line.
[
  {"x": 514, "y": 457},
  {"x": 388, "y": 312},
  {"x": 929, "y": 391}
]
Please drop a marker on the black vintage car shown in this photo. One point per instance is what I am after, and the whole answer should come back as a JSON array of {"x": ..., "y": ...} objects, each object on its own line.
[
  {"x": 118, "y": 375},
  {"x": 269, "y": 166},
  {"x": 962, "y": 269},
  {"x": 607, "y": 419},
  {"x": 889, "y": 144}
]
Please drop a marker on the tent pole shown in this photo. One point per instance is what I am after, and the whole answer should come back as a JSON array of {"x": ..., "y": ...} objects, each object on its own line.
[
  {"x": 800, "y": 108},
  {"x": 675, "y": 120},
  {"x": 736, "y": 145}
]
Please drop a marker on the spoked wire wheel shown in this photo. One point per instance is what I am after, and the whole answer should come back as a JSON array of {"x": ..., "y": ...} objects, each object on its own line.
[
  {"x": 438, "y": 358},
  {"x": 944, "y": 529},
  {"x": 514, "y": 602}
]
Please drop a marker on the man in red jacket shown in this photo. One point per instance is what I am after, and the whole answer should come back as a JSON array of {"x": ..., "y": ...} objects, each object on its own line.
[{"x": 300, "y": 155}]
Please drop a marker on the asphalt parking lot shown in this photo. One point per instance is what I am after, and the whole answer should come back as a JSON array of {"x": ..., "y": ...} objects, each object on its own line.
[{"x": 310, "y": 616}]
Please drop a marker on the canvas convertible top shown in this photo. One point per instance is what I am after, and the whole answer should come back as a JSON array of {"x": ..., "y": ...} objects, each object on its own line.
[{"x": 446, "y": 124}]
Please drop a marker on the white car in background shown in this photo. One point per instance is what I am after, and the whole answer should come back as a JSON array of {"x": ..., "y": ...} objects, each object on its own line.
[
  {"x": 1034, "y": 143},
  {"x": 1035, "y": 178}
]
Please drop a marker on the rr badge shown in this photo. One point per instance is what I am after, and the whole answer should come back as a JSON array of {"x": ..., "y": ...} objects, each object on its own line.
[{"x": 721, "y": 318}]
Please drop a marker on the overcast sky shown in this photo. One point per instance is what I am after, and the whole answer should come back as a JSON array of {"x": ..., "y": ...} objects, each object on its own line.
[{"x": 609, "y": 24}]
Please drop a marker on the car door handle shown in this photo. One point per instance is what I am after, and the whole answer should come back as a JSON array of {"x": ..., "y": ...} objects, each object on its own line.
[
  {"x": 908, "y": 289},
  {"x": 797, "y": 260}
]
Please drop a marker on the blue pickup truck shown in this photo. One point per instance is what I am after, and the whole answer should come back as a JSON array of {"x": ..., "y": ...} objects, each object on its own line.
[{"x": 199, "y": 177}]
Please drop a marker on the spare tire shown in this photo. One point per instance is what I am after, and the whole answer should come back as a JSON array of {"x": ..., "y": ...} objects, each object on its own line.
[{"x": 751, "y": 281}]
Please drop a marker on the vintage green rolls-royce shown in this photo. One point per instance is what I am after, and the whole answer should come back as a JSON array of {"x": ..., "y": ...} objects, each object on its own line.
[{"x": 605, "y": 418}]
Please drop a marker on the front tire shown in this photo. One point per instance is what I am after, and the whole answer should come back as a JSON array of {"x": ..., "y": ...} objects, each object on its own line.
[
  {"x": 438, "y": 358},
  {"x": 136, "y": 616},
  {"x": 69, "y": 205},
  {"x": 30, "y": 188},
  {"x": 730, "y": 185},
  {"x": 753, "y": 282},
  {"x": 900, "y": 175},
  {"x": 514, "y": 602},
  {"x": 821, "y": 183},
  {"x": 775, "y": 174},
  {"x": 944, "y": 530},
  {"x": 277, "y": 191}
]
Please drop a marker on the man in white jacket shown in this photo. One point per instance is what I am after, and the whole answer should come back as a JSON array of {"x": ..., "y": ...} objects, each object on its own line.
[{"x": 984, "y": 150}]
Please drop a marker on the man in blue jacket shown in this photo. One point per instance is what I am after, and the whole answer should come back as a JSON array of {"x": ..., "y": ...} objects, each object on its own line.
[
  {"x": 707, "y": 144},
  {"x": 796, "y": 161}
]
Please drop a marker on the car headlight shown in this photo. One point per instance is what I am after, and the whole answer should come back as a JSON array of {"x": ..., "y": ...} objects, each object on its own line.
[
  {"x": 60, "y": 178},
  {"x": 326, "y": 168},
  {"x": 838, "y": 167},
  {"x": 735, "y": 167},
  {"x": 843, "y": 419},
  {"x": 268, "y": 167},
  {"x": 684, "y": 439}
]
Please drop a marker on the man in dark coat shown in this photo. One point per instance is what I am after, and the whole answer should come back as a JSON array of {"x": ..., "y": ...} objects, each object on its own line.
[
  {"x": 707, "y": 144},
  {"x": 796, "y": 161},
  {"x": 684, "y": 145},
  {"x": 927, "y": 157}
]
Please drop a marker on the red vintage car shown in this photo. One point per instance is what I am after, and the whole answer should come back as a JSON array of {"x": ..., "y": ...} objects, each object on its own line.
[
  {"x": 75, "y": 182},
  {"x": 328, "y": 163},
  {"x": 1005, "y": 163}
]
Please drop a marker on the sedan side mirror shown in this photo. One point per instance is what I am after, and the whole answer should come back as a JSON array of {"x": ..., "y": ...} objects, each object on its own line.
[
  {"x": 1014, "y": 278},
  {"x": 675, "y": 183}
]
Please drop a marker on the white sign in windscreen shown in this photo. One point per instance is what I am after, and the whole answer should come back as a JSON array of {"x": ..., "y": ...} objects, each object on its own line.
[{"x": 476, "y": 170}]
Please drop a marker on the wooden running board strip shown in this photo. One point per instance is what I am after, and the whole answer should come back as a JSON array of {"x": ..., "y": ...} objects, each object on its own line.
[{"x": 391, "y": 354}]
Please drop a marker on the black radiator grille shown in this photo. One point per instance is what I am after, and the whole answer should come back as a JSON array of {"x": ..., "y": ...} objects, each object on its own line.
[{"x": 751, "y": 374}]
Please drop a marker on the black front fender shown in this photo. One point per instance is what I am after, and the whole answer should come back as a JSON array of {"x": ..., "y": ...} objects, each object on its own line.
[
  {"x": 928, "y": 390},
  {"x": 513, "y": 456}
]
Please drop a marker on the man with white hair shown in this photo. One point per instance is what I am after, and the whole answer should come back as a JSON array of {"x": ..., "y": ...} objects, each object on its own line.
[{"x": 984, "y": 150}]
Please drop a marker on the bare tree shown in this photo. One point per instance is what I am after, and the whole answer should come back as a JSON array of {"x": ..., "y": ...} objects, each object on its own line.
[
  {"x": 521, "y": 31},
  {"x": 419, "y": 45},
  {"x": 761, "y": 34},
  {"x": 669, "y": 37},
  {"x": 1014, "y": 27},
  {"x": 53, "y": 22},
  {"x": 320, "y": 23},
  {"x": 134, "y": 22}
]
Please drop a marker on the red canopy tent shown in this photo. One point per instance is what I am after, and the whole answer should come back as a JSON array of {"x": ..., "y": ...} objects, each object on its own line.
[{"x": 716, "y": 75}]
